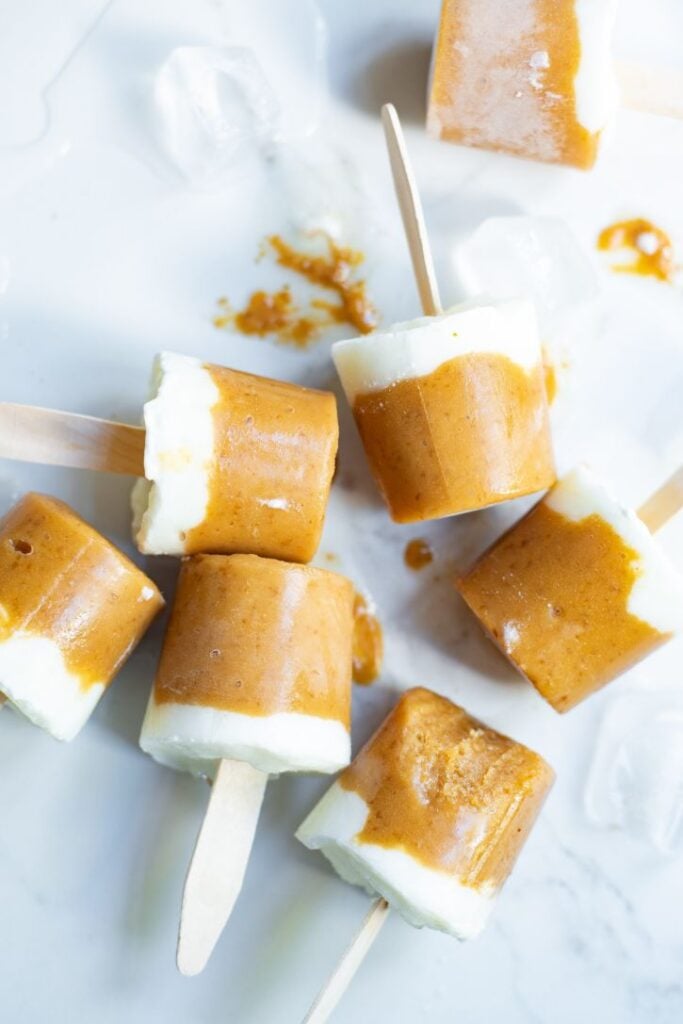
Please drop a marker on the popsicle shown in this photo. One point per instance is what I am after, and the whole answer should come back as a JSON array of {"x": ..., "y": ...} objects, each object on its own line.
[
  {"x": 254, "y": 679},
  {"x": 578, "y": 591},
  {"x": 233, "y": 462},
  {"x": 451, "y": 407},
  {"x": 540, "y": 81},
  {"x": 430, "y": 816},
  {"x": 72, "y": 608}
]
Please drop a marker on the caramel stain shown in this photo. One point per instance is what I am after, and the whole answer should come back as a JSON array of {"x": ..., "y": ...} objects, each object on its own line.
[
  {"x": 550, "y": 378},
  {"x": 276, "y": 315},
  {"x": 650, "y": 249},
  {"x": 417, "y": 554},
  {"x": 368, "y": 643}
]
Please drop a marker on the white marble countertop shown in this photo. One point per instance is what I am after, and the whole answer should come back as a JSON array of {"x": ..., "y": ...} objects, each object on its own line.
[{"x": 107, "y": 255}]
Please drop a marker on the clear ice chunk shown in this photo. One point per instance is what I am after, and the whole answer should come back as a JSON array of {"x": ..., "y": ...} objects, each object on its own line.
[
  {"x": 215, "y": 107},
  {"x": 536, "y": 257},
  {"x": 635, "y": 782}
]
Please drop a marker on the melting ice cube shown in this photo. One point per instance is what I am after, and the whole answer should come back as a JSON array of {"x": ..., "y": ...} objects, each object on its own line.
[
  {"x": 536, "y": 257},
  {"x": 636, "y": 779},
  {"x": 215, "y": 107}
]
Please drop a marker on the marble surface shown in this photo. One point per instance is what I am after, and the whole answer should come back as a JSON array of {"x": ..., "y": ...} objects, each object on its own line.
[{"x": 107, "y": 254}]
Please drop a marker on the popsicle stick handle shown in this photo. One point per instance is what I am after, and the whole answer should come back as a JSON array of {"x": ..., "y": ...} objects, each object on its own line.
[
  {"x": 651, "y": 90},
  {"x": 411, "y": 212},
  {"x": 30, "y": 434},
  {"x": 216, "y": 872},
  {"x": 661, "y": 506},
  {"x": 340, "y": 979}
]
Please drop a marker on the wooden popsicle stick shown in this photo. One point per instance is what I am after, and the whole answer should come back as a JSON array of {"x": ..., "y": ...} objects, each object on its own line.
[
  {"x": 219, "y": 861},
  {"x": 340, "y": 979},
  {"x": 423, "y": 267},
  {"x": 650, "y": 90},
  {"x": 30, "y": 434},
  {"x": 666, "y": 501},
  {"x": 411, "y": 212}
]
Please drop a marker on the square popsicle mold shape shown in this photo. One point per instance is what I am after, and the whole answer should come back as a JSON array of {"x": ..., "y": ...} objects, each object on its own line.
[
  {"x": 256, "y": 667},
  {"x": 575, "y": 593},
  {"x": 219, "y": 454},
  {"x": 431, "y": 814},
  {"x": 72, "y": 608},
  {"x": 537, "y": 83},
  {"x": 452, "y": 410}
]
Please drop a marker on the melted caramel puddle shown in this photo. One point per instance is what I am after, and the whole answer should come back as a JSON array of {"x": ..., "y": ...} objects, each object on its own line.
[
  {"x": 472, "y": 433},
  {"x": 368, "y": 643},
  {"x": 274, "y": 314},
  {"x": 447, "y": 790},
  {"x": 257, "y": 636},
  {"x": 650, "y": 247},
  {"x": 553, "y": 594},
  {"x": 417, "y": 554},
  {"x": 62, "y": 580},
  {"x": 257, "y": 503}
]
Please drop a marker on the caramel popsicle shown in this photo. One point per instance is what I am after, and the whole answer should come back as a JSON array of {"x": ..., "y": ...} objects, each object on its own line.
[
  {"x": 431, "y": 814},
  {"x": 72, "y": 608},
  {"x": 575, "y": 593}
]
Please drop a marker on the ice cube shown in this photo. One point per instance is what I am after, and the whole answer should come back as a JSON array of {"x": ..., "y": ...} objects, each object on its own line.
[
  {"x": 536, "y": 257},
  {"x": 636, "y": 778},
  {"x": 216, "y": 107},
  {"x": 290, "y": 39}
]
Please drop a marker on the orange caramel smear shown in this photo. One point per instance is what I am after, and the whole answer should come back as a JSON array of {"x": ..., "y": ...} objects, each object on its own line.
[
  {"x": 61, "y": 580},
  {"x": 417, "y": 554},
  {"x": 257, "y": 637},
  {"x": 550, "y": 377},
  {"x": 368, "y": 643},
  {"x": 275, "y": 314},
  {"x": 553, "y": 595},
  {"x": 472, "y": 433},
  {"x": 651, "y": 251},
  {"x": 274, "y": 455},
  {"x": 447, "y": 790},
  {"x": 486, "y": 92}
]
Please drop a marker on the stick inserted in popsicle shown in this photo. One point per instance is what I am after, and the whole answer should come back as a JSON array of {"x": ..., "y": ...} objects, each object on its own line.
[
  {"x": 431, "y": 815},
  {"x": 217, "y": 455},
  {"x": 254, "y": 679}
]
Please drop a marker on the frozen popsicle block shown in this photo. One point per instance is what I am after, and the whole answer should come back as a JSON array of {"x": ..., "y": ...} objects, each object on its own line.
[
  {"x": 451, "y": 409},
  {"x": 431, "y": 814},
  {"x": 536, "y": 257},
  {"x": 233, "y": 463},
  {"x": 72, "y": 608},
  {"x": 256, "y": 667},
  {"x": 535, "y": 80},
  {"x": 636, "y": 779},
  {"x": 575, "y": 593},
  {"x": 214, "y": 107}
]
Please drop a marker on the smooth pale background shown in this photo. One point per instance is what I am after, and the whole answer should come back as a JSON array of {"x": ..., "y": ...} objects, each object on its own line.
[{"x": 106, "y": 256}]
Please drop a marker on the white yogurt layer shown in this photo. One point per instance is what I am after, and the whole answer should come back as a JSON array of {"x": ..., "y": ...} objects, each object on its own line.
[
  {"x": 35, "y": 679},
  {"x": 657, "y": 594},
  {"x": 179, "y": 447},
  {"x": 418, "y": 347},
  {"x": 423, "y": 896},
  {"x": 195, "y": 738},
  {"x": 595, "y": 86}
]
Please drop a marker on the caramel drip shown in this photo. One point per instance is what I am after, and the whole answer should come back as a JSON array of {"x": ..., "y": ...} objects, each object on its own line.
[
  {"x": 368, "y": 643},
  {"x": 651, "y": 250},
  {"x": 417, "y": 554}
]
